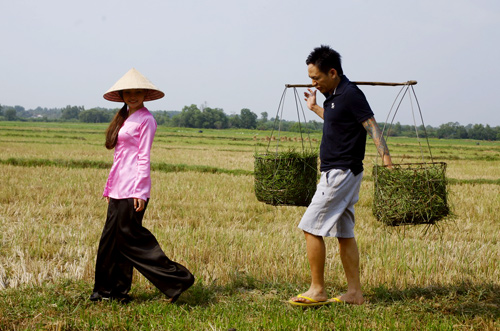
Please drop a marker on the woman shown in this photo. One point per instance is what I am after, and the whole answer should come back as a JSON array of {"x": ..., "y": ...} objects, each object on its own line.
[{"x": 125, "y": 244}]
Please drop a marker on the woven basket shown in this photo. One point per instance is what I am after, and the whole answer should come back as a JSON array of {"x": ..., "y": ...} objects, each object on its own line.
[
  {"x": 285, "y": 178},
  {"x": 411, "y": 193}
]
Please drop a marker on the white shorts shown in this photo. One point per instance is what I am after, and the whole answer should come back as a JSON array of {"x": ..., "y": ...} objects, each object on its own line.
[{"x": 331, "y": 212}]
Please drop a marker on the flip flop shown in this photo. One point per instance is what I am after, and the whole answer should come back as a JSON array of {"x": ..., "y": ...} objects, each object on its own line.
[{"x": 312, "y": 303}]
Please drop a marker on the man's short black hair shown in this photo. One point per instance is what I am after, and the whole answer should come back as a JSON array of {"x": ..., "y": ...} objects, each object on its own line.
[{"x": 325, "y": 58}]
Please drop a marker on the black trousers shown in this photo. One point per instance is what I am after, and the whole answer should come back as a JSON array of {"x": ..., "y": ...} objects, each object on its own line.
[{"x": 125, "y": 244}]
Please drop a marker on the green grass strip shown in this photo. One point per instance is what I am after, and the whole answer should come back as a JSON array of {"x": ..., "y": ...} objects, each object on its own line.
[
  {"x": 83, "y": 164},
  {"x": 473, "y": 181},
  {"x": 56, "y": 163},
  {"x": 250, "y": 304},
  {"x": 166, "y": 167},
  {"x": 454, "y": 181}
]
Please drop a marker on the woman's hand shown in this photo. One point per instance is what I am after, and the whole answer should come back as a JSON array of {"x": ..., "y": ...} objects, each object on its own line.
[{"x": 139, "y": 204}]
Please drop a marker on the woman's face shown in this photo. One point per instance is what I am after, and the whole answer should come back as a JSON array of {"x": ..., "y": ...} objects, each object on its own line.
[{"x": 134, "y": 98}]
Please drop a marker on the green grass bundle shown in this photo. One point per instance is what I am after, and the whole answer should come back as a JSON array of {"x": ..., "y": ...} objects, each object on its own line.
[
  {"x": 286, "y": 178},
  {"x": 413, "y": 193}
]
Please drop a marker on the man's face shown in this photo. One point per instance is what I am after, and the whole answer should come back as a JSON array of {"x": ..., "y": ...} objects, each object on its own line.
[{"x": 325, "y": 83}]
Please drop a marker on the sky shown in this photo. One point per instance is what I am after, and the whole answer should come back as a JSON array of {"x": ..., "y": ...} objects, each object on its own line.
[{"x": 240, "y": 54}]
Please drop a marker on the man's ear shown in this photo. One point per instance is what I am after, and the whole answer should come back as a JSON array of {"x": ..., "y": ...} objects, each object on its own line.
[{"x": 332, "y": 73}]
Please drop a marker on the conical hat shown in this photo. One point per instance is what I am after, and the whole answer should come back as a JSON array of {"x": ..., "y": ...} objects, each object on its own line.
[{"x": 133, "y": 79}]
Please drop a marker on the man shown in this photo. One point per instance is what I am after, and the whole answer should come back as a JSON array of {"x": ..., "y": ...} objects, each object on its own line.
[{"x": 347, "y": 119}]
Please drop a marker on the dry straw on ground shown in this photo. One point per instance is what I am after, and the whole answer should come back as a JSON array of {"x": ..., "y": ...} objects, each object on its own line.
[{"x": 51, "y": 219}]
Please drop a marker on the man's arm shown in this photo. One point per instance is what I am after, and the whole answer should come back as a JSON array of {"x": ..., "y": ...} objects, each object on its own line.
[
  {"x": 373, "y": 130},
  {"x": 311, "y": 103}
]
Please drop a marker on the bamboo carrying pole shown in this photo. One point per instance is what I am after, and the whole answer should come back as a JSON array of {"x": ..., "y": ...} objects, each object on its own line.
[{"x": 410, "y": 82}]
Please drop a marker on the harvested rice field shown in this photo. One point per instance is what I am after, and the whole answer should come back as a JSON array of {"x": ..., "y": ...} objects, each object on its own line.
[{"x": 248, "y": 257}]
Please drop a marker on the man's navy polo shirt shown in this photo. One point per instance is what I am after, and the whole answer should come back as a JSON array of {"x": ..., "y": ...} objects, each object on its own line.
[{"x": 344, "y": 137}]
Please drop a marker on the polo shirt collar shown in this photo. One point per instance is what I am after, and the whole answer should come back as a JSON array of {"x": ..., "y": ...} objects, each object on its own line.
[{"x": 344, "y": 81}]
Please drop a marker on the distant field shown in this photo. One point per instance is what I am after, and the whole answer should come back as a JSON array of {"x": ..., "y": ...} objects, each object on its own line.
[{"x": 248, "y": 257}]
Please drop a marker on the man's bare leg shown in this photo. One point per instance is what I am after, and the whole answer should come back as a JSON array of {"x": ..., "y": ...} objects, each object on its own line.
[
  {"x": 349, "y": 255},
  {"x": 316, "y": 254}
]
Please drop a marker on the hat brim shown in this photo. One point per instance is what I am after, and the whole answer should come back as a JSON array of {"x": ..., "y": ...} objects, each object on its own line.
[
  {"x": 150, "y": 95},
  {"x": 133, "y": 80}
]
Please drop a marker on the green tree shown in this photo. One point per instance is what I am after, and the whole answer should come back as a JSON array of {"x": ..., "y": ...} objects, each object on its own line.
[
  {"x": 248, "y": 119},
  {"x": 451, "y": 130},
  {"x": 477, "y": 132},
  {"x": 396, "y": 129},
  {"x": 190, "y": 117},
  {"x": 489, "y": 133},
  {"x": 298, "y": 127},
  {"x": 461, "y": 132},
  {"x": 234, "y": 121},
  {"x": 71, "y": 112},
  {"x": 264, "y": 115},
  {"x": 21, "y": 112},
  {"x": 94, "y": 116},
  {"x": 161, "y": 117},
  {"x": 214, "y": 118},
  {"x": 262, "y": 122},
  {"x": 10, "y": 114}
]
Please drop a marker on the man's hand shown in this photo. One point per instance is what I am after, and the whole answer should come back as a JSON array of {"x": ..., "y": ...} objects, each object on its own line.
[
  {"x": 388, "y": 161},
  {"x": 310, "y": 98}
]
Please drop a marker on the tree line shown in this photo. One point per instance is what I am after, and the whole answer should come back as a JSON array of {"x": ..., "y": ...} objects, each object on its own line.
[
  {"x": 192, "y": 116},
  {"x": 204, "y": 117},
  {"x": 450, "y": 130}
]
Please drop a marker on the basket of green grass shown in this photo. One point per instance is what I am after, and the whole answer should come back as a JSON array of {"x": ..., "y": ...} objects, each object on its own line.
[
  {"x": 286, "y": 177},
  {"x": 411, "y": 193}
]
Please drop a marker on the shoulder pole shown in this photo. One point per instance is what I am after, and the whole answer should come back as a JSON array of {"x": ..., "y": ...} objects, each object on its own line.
[{"x": 410, "y": 82}]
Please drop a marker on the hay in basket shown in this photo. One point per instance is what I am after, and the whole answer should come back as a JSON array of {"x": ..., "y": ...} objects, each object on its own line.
[
  {"x": 412, "y": 193},
  {"x": 286, "y": 177}
]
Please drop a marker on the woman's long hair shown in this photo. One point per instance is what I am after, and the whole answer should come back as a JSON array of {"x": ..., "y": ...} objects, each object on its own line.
[{"x": 115, "y": 126}]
